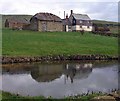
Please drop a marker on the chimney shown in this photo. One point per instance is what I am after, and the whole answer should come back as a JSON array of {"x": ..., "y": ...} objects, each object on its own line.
[
  {"x": 66, "y": 16},
  {"x": 71, "y": 11}
]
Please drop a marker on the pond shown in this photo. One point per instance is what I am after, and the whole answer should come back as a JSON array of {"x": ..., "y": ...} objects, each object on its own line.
[{"x": 59, "y": 79}]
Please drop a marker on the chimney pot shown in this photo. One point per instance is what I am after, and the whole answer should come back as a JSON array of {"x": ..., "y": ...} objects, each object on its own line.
[
  {"x": 67, "y": 16},
  {"x": 71, "y": 11},
  {"x": 64, "y": 14}
]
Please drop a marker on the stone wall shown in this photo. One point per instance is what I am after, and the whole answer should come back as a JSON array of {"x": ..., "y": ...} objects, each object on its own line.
[
  {"x": 6, "y": 60},
  {"x": 33, "y": 25},
  {"x": 15, "y": 25},
  {"x": 49, "y": 26}
]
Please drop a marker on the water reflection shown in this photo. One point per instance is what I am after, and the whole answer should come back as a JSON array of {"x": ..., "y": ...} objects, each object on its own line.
[
  {"x": 66, "y": 78},
  {"x": 46, "y": 73},
  {"x": 16, "y": 68},
  {"x": 77, "y": 71}
]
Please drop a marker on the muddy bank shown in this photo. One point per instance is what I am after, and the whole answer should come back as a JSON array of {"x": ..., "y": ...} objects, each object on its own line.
[
  {"x": 113, "y": 96},
  {"x": 8, "y": 59},
  {"x": 100, "y": 96}
]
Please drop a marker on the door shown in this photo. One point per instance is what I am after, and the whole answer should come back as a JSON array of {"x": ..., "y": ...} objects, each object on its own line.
[{"x": 44, "y": 26}]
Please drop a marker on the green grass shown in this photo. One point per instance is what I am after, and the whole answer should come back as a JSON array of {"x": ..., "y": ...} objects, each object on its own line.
[
  {"x": 31, "y": 43},
  {"x": 114, "y": 30},
  {"x": 6, "y": 96}
]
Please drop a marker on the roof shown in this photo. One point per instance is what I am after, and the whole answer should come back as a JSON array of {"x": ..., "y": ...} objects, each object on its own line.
[
  {"x": 47, "y": 17},
  {"x": 66, "y": 22},
  {"x": 18, "y": 20},
  {"x": 81, "y": 16}
]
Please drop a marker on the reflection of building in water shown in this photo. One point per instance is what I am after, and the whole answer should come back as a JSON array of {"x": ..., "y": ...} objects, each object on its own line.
[
  {"x": 50, "y": 72},
  {"x": 46, "y": 73},
  {"x": 16, "y": 68},
  {"x": 77, "y": 71}
]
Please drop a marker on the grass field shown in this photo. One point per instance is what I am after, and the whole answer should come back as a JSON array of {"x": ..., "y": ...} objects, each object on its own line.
[
  {"x": 12, "y": 97},
  {"x": 31, "y": 43}
]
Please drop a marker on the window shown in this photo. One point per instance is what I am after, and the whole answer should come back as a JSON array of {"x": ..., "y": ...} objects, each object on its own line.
[
  {"x": 89, "y": 22},
  {"x": 69, "y": 27},
  {"x": 80, "y": 26},
  {"x": 88, "y": 26},
  {"x": 14, "y": 23},
  {"x": 74, "y": 21},
  {"x": 81, "y": 21}
]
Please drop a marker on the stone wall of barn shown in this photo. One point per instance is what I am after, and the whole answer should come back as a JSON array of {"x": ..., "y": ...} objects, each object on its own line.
[
  {"x": 33, "y": 25},
  {"x": 49, "y": 26},
  {"x": 15, "y": 25}
]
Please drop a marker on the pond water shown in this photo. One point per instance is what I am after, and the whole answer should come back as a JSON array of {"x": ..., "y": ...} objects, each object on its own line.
[{"x": 59, "y": 79}]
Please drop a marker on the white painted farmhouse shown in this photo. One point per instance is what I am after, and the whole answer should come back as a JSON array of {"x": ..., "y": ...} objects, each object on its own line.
[{"x": 77, "y": 22}]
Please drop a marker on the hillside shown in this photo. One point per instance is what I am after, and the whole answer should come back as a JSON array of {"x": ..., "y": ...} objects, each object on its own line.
[
  {"x": 4, "y": 17},
  {"x": 104, "y": 22}
]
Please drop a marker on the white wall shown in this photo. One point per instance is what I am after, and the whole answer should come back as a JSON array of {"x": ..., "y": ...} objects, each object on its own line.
[
  {"x": 85, "y": 28},
  {"x": 66, "y": 28}
]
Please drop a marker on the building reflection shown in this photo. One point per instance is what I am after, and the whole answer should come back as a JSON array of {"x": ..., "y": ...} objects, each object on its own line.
[
  {"x": 77, "y": 71},
  {"x": 16, "y": 68},
  {"x": 47, "y": 73},
  {"x": 50, "y": 72}
]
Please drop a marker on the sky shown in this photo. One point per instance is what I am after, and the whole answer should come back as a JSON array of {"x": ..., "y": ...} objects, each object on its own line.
[{"x": 96, "y": 9}]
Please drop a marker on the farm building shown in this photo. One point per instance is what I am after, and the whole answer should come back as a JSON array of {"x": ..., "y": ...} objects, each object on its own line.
[
  {"x": 45, "y": 22},
  {"x": 100, "y": 27},
  {"x": 66, "y": 24},
  {"x": 77, "y": 22},
  {"x": 16, "y": 23}
]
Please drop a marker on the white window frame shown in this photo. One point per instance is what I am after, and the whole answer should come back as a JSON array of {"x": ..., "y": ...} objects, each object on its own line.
[{"x": 81, "y": 21}]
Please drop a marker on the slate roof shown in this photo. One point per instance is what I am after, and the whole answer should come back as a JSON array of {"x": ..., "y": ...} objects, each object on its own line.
[
  {"x": 18, "y": 20},
  {"x": 81, "y": 16},
  {"x": 66, "y": 22},
  {"x": 47, "y": 17}
]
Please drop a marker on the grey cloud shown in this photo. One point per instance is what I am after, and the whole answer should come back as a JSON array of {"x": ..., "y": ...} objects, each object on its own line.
[
  {"x": 105, "y": 11},
  {"x": 8, "y": 8},
  {"x": 96, "y": 10}
]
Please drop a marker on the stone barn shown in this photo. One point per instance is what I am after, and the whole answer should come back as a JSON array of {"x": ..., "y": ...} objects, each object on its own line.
[
  {"x": 45, "y": 22},
  {"x": 16, "y": 23}
]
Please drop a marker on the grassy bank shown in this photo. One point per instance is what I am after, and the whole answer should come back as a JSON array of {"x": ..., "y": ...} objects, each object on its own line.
[
  {"x": 12, "y": 97},
  {"x": 31, "y": 43}
]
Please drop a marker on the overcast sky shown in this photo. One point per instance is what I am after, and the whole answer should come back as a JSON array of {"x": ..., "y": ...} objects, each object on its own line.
[{"x": 105, "y": 10}]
